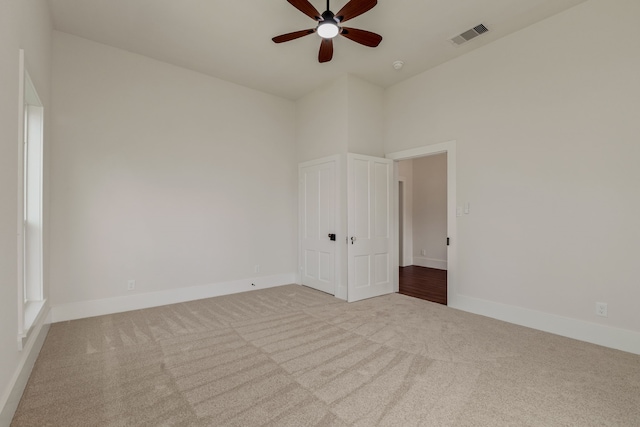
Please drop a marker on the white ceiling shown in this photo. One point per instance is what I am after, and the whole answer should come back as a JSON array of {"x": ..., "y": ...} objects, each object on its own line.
[{"x": 231, "y": 39}]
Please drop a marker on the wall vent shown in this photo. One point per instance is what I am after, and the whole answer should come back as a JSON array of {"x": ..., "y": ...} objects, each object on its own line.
[{"x": 469, "y": 34}]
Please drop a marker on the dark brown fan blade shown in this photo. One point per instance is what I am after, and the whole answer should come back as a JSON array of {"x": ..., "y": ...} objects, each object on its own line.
[
  {"x": 354, "y": 8},
  {"x": 366, "y": 38},
  {"x": 326, "y": 50},
  {"x": 293, "y": 36},
  {"x": 307, "y": 8}
]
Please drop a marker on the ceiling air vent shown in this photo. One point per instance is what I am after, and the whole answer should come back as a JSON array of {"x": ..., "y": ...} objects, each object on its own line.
[{"x": 469, "y": 34}]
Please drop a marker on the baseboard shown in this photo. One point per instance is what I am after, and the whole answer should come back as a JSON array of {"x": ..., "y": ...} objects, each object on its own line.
[
  {"x": 440, "y": 264},
  {"x": 82, "y": 309},
  {"x": 29, "y": 354},
  {"x": 595, "y": 333}
]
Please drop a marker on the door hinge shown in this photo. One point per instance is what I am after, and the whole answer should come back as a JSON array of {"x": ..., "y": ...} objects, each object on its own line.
[{"x": 447, "y": 241}]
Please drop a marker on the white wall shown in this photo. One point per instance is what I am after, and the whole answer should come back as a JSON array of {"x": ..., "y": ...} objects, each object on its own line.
[
  {"x": 322, "y": 127},
  {"x": 430, "y": 211},
  {"x": 547, "y": 154},
  {"x": 26, "y": 25},
  {"x": 165, "y": 176},
  {"x": 343, "y": 115},
  {"x": 365, "y": 117}
]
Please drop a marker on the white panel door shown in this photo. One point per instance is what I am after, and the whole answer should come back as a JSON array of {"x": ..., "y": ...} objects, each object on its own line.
[
  {"x": 318, "y": 214},
  {"x": 369, "y": 190}
]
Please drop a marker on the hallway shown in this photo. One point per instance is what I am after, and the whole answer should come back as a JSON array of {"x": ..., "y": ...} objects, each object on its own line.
[{"x": 425, "y": 283}]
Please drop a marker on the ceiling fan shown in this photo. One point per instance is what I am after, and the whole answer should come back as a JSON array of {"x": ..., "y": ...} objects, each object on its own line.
[{"x": 329, "y": 26}]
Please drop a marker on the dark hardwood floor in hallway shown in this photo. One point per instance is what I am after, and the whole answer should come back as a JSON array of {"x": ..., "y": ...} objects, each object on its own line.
[{"x": 425, "y": 283}]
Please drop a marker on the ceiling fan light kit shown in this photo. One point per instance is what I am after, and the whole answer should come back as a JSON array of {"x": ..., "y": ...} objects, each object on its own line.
[
  {"x": 329, "y": 26},
  {"x": 328, "y": 29}
]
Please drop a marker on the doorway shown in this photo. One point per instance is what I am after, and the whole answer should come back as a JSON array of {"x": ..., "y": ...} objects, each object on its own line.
[
  {"x": 428, "y": 263},
  {"x": 423, "y": 268}
]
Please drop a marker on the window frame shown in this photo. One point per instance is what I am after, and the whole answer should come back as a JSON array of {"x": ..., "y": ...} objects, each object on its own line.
[{"x": 30, "y": 245}]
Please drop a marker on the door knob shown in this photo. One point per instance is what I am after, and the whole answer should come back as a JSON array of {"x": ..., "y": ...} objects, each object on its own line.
[
  {"x": 353, "y": 239},
  {"x": 332, "y": 236}
]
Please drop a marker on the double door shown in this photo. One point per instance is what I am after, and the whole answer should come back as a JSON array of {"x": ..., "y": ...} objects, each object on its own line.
[{"x": 346, "y": 226}]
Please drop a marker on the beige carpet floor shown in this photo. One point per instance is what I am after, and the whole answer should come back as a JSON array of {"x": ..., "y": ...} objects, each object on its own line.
[{"x": 292, "y": 356}]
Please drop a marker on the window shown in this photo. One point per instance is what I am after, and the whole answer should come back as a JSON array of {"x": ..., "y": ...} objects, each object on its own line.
[{"x": 30, "y": 223}]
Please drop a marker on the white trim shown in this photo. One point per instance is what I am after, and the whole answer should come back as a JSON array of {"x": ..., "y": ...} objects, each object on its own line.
[
  {"x": 320, "y": 161},
  {"x": 427, "y": 150},
  {"x": 395, "y": 228},
  {"x": 20, "y": 224},
  {"x": 620, "y": 339},
  {"x": 34, "y": 313},
  {"x": 440, "y": 264},
  {"x": 13, "y": 392},
  {"x": 82, "y": 309},
  {"x": 407, "y": 224},
  {"x": 448, "y": 147}
]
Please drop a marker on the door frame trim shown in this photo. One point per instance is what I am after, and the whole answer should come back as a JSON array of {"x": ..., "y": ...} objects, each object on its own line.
[{"x": 448, "y": 147}]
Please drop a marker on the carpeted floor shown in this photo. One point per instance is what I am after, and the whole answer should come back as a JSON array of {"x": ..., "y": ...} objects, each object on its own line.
[{"x": 292, "y": 356}]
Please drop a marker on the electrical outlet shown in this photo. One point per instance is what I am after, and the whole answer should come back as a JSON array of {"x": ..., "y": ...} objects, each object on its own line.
[
  {"x": 256, "y": 268},
  {"x": 601, "y": 309},
  {"x": 131, "y": 284},
  {"x": 423, "y": 252}
]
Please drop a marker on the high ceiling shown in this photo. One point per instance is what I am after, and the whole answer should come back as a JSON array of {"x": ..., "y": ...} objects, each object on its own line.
[{"x": 231, "y": 39}]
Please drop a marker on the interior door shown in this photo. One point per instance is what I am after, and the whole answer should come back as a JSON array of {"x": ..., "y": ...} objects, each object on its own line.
[
  {"x": 369, "y": 194},
  {"x": 318, "y": 215}
]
